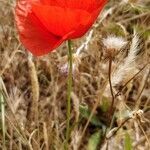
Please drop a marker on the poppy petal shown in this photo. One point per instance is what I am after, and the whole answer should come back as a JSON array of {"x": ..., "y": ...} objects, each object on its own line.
[
  {"x": 35, "y": 37},
  {"x": 60, "y": 21},
  {"x": 82, "y": 29},
  {"x": 88, "y": 5},
  {"x": 44, "y": 24}
]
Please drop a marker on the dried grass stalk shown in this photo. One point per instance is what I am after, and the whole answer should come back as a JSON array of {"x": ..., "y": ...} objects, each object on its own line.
[{"x": 35, "y": 90}]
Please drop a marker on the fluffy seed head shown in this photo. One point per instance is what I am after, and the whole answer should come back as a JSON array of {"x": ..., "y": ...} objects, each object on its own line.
[
  {"x": 112, "y": 45},
  {"x": 113, "y": 42}
]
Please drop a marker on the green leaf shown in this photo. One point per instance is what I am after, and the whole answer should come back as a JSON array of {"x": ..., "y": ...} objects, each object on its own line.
[
  {"x": 127, "y": 142},
  {"x": 105, "y": 104},
  {"x": 85, "y": 113},
  {"x": 94, "y": 141}
]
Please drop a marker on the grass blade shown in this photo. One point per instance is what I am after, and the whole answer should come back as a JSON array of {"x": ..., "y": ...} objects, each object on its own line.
[
  {"x": 2, "y": 106},
  {"x": 94, "y": 141},
  {"x": 127, "y": 142}
]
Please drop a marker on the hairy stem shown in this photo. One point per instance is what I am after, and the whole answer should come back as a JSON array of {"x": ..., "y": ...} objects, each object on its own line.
[{"x": 69, "y": 89}]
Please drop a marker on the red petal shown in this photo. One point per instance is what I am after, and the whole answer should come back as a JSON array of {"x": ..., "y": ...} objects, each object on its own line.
[
  {"x": 49, "y": 26},
  {"x": 60, "y": 21},
  {"x": 91, "y": 6},
  {"x": 84, "y": 28},
  {"x": 35, "y": 37},
  {"x": 88, "y": 5}
]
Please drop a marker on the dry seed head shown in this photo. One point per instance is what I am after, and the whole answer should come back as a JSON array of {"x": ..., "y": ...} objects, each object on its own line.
[
  {"x": 127, "y": 69},
  {"x": 136, "y": 114},
  {"x": 75, "y": 138},
  {"x": 113, "y": 44}
]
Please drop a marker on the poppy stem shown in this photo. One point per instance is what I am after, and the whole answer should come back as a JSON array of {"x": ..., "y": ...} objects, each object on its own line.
[{"x": 69, "y": 90}]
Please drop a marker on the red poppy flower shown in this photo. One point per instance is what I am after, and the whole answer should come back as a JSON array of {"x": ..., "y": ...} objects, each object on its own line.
[{"x": 44, "y": 24}]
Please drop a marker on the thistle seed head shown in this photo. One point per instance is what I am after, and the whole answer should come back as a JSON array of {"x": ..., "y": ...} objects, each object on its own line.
[{"x": 113, "y": 44}]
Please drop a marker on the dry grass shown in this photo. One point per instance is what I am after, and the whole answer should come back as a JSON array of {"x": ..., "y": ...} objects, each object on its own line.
[{"x": 33, "y": 90}]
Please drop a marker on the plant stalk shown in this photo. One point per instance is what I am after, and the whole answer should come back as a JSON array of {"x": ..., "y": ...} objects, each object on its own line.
[
  {"x": 2, "y": 103},
  {"x": 69, "y": 90},
  {"x": 111, "y": 87}
]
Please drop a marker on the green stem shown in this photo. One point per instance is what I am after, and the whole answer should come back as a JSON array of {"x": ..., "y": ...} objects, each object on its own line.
[
  {"x": 69, "y": 89},
  {"x": 2, "y": 103}
]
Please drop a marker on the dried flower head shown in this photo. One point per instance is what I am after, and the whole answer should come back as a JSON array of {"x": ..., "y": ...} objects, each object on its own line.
[
  {"x": 136, "y": 114},
  {"x": 113, "y": 42}
]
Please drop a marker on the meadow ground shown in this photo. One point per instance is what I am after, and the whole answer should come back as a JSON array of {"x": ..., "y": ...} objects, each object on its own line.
[{"x": 33, "y": 90}]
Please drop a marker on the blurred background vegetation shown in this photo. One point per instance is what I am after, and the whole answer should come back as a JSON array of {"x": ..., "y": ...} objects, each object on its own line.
[{"x": 33, "y": 89}]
